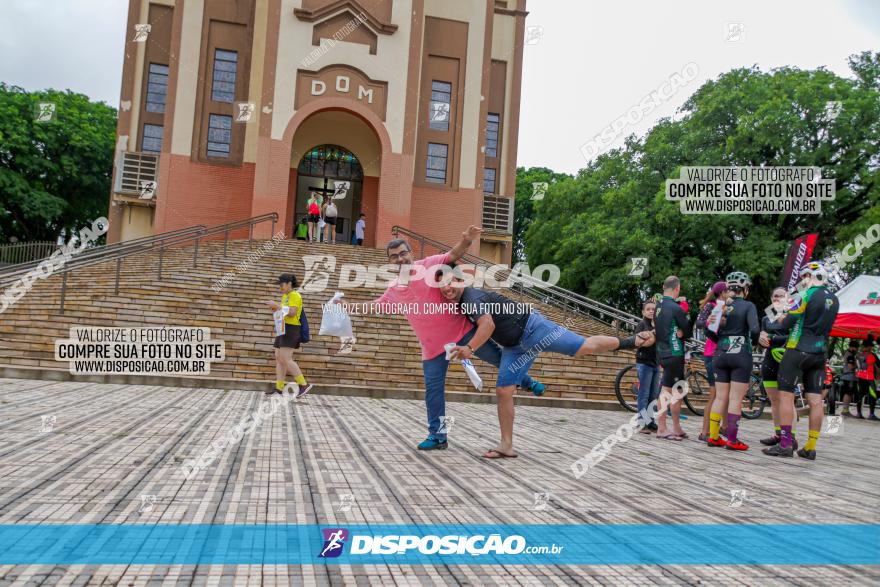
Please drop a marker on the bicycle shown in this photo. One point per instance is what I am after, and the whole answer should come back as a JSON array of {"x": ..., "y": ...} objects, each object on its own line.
[
  {"x": 626, "y": 388},
  {"x": 756, "y": 397}
]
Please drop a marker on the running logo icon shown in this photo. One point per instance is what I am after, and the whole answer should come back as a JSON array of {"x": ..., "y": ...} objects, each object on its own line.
[
  {"x": 446, "y": 423},
  {"x": 47, "y": 423},
  {"x": 341, "y": 189},
  {"x": 318, "y": 270},
  {"x": 541, "y": 501},
  {"x": 147, "y": 503},
  {"x": 346, "y": 345},
  {"x": 141, "y": 32},
  {"x": 639, "y": 266},
  {"x": 244, "y": 111},
  {"x": 345, "y": 502},
  {"x": 334, "y": 540},
  {"x": 539, "y": 189},
  {"x": 439, "y": 112},
  {"x": 737, "y": 497},
  {"x": 833, "y": 424},
  {"x": 45, "y": 112}
]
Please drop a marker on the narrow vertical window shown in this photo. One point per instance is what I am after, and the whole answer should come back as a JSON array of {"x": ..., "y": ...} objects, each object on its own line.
[
  {"x": 493, "y": 122},
  {"x": 225, "y": 67},
  {"x": 441, "y": 104},
  {"x": 152, "y": 139},
  {"x": 157, "y": 87},
  {"x": 219, "y": 135},
  {"x": 436, "y": 166}
]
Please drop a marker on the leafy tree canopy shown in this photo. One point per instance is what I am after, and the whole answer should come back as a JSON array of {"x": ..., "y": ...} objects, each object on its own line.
[
  {"x": 54, "y": 175},
  {"x": 615, "y": 209}
]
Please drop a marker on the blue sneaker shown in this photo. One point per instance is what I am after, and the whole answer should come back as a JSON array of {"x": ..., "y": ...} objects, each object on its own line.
[
  {"x": 433, "y": 443},
  {"x": 536, "y": 387}
]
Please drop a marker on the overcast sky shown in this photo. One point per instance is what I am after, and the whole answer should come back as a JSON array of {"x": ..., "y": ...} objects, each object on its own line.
[{"x": 587, "y": 64}]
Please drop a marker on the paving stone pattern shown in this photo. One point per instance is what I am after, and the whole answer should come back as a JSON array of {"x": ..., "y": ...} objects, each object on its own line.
[{"x": 111, "y": 444}]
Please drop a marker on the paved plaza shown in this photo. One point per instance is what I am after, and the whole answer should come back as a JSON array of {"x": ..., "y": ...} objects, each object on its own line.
[{"x": 85, "y": 453}]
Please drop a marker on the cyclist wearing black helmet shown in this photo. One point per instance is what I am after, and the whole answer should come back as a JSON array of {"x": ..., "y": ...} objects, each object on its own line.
[
  {"x": 809, "y": 322},
  {"x": 733, "y": 361}
]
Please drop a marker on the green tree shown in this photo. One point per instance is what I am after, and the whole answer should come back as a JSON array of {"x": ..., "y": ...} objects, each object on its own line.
[
  {"x": 54, "y": 175},
  {"x": 615, "y": 208},
  {"x": 526, "y": 200}
]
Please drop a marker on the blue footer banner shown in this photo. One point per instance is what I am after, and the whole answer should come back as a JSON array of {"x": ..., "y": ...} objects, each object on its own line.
[{"x": 470, "y": 544}]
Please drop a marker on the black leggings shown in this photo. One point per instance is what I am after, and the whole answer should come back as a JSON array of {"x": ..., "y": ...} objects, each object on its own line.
[{"x": 864, "y": 389}]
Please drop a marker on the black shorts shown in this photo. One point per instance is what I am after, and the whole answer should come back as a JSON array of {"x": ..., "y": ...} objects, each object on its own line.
[
  {"x": 849, "y": 388},
  {"x": 733, "y": 367},
  {"x": 710, "y": 371},
  {"x": 810, "y": 367},
  {"x": 331, "y": 220},
  {"x": 673, "y": 371},
  {"x": 290, "y": 339},
  {"x": 314, "y": 217},
  {"x": 769, "y": 368}
]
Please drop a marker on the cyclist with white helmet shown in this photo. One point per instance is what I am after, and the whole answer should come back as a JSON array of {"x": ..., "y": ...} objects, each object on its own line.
[
  {"x": 809, "y": 322},
  {"x": 732, "y": 361}
]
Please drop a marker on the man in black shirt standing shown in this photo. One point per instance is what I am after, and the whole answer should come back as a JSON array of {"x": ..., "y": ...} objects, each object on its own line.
[
  {"x": 672, "y": 329},
  {"x": 523, "y": 334}
]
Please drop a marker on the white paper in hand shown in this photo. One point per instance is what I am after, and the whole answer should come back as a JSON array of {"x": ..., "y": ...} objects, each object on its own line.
[
  {"x": 279, "y": 316},
  {"x": 714, "y": 321}
]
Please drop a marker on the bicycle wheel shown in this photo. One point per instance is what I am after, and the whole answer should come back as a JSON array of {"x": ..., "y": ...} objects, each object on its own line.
[
  {"x": 626, "y": 387},
  {"x": 863, "y": 409},
  {"x": 698, "y": 392},
  {"x": 753, "y": 402}
]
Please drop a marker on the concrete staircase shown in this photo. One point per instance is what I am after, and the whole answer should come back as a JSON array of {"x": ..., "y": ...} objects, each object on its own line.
[{"x": 386, "y": 355}]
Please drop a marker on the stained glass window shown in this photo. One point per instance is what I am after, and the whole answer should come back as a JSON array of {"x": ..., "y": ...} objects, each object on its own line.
[{"x": 330, "y": 161}]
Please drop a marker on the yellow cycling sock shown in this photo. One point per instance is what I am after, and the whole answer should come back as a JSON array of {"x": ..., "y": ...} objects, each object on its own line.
[
  {"x": 778, "y": 429},
  {"x": 300, "y": 379},
  {"x": 811, "y": 443},
  {"x": 279, "y": 385},
  {"x": 714, "y": 425}
]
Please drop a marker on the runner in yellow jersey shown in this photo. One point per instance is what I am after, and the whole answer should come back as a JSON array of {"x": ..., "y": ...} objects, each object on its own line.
[{"x": 287, "y": 335}]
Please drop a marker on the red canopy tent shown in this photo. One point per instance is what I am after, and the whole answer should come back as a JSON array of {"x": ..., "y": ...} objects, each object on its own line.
[{"x": 859, "y": 308}]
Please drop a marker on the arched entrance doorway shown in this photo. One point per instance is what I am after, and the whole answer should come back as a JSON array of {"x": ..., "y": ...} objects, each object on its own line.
[
  {"x": 347, "y": 124},
  {"x": 319, "y": 172}
]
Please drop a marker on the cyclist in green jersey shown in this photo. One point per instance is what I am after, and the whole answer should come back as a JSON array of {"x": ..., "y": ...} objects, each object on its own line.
[{"x": 809, "y": 322}]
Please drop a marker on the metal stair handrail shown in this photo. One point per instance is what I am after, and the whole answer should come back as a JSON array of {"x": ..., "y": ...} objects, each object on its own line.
[
  {"x": 104, "y": 250},
  {"x": 25, "y": 250},
  {"x": 550, "y": 294},
  {"x": 163, "y": 241}
]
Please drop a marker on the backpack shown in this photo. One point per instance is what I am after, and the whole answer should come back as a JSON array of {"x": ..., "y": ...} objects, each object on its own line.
[
  {"x": 313, "y": 209},
  {"x": 304, "y": 335}
]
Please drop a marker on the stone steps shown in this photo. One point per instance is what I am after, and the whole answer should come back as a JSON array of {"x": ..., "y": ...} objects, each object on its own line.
[{"x": 387, "y": 352}]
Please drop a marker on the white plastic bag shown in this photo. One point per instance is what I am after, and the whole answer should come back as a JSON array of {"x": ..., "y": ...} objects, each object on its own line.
[{"x": 335, "y": 320}]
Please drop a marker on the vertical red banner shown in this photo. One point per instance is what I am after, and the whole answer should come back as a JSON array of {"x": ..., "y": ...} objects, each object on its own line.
[{"x": 798, "y": 255}]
